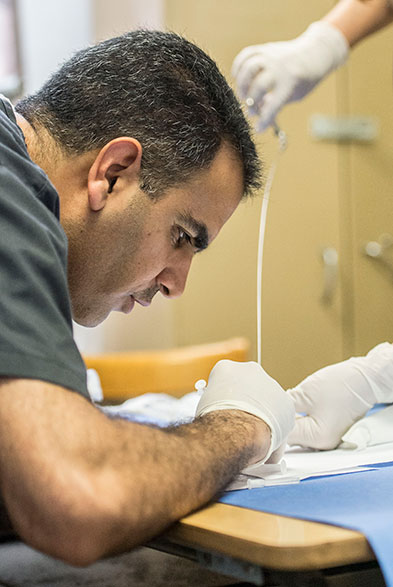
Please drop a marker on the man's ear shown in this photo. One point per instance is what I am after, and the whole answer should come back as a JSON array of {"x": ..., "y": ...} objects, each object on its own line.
[{"x": 119, "y": 158}]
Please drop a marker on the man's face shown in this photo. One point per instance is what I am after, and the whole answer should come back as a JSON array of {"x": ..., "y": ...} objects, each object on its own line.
[{"x": 137, "y": 246}]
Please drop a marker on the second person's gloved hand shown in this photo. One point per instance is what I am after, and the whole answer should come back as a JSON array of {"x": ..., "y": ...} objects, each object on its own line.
[
  {"x": 335, "y": 397},
  {"x": 274, "y": 74},
  {"x": 247, "y": 387}
]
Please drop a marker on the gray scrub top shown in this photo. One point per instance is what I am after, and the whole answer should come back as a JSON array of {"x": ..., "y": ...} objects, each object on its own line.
[{"x": 36, "y": 340}]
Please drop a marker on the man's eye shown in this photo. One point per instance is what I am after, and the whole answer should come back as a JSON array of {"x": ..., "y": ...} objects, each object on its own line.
[{"x": 183, "y": 237}]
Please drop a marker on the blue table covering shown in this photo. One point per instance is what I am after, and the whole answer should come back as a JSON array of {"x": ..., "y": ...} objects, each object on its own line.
[{"x": 362, "y": 501}]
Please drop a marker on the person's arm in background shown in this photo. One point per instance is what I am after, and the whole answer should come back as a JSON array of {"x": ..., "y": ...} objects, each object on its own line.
[
  {"x": 271, "y": 75},
  {"x": 358, "y": 19},
  {"x": 78, "y": 485}
]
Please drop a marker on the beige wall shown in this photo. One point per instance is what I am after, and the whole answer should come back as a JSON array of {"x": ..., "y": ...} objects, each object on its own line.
[
  {"x": 371, "y": 181},
  {"x": 119, "y": 16}
]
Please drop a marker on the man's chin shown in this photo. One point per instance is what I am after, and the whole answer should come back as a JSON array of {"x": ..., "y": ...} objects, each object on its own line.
[
  {"x": 89, "y": 319},
  {"x": 87, "y": 323}
]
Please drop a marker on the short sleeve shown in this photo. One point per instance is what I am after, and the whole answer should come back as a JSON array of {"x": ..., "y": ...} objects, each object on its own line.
[{"x": 36, "y": 339}]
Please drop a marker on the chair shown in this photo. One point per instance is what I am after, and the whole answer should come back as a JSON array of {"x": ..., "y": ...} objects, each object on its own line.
[{"x": 174, "y": 371}]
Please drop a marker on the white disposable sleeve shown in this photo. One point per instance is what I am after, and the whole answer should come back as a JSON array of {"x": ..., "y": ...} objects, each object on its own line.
[{"x": 379, "y": 370}]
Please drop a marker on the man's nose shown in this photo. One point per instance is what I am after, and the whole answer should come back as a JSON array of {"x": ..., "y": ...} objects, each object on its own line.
[{"x": 172, "y": 280}]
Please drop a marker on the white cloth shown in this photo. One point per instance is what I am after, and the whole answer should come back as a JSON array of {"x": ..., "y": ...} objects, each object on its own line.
[
  {"x": 157, "y": 408},
  {"x": 370, "y": 431},
  {"x": 94, "y": 386}
]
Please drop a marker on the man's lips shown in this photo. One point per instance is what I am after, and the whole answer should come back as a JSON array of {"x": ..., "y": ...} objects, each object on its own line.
[
  {"x": 143, "y": 303},
  {"x": 129, "y": 304}
]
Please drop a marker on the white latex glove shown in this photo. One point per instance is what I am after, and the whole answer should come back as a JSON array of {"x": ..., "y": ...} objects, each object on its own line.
[
  {"x": 335, "y": 397},
  {"x": 247, "y": 387},
  {"x": 274, "y": 74}
]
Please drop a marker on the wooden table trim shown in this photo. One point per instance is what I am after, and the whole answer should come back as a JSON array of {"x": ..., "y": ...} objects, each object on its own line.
[{"x": 272, "y": 541}]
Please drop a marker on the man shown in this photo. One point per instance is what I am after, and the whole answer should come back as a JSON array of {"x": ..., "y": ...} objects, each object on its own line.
[{"x": 148, "y": 154}]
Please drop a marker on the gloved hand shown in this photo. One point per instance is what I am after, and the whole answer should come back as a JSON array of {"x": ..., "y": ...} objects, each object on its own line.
[
  {"x": 336, "y": 396},
  {"x": 247, "y": 387},
  {"x": 274, "y": 74}
]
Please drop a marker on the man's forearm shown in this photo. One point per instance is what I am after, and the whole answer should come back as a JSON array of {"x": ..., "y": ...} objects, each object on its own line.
[
  {"x": 171, "y": 472},
  {"x": 78, "y": 485}
]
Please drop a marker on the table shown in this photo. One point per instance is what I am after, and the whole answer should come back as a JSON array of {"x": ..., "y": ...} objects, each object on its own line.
[
  {"x": 266, "y": 549},
  {"x": 259, "y": 548}
]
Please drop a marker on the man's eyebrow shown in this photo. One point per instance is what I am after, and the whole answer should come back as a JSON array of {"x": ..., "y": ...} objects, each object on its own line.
[{"x": 197, "y": 229}]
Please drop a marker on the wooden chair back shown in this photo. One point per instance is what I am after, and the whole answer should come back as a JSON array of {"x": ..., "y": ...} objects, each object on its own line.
[{"x": 174, "y": 371}]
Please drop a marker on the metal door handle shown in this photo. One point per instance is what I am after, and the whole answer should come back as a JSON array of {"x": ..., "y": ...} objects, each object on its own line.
[
  {"x": 330, "y": 273},
  {"x": 378, "y": 250}
]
